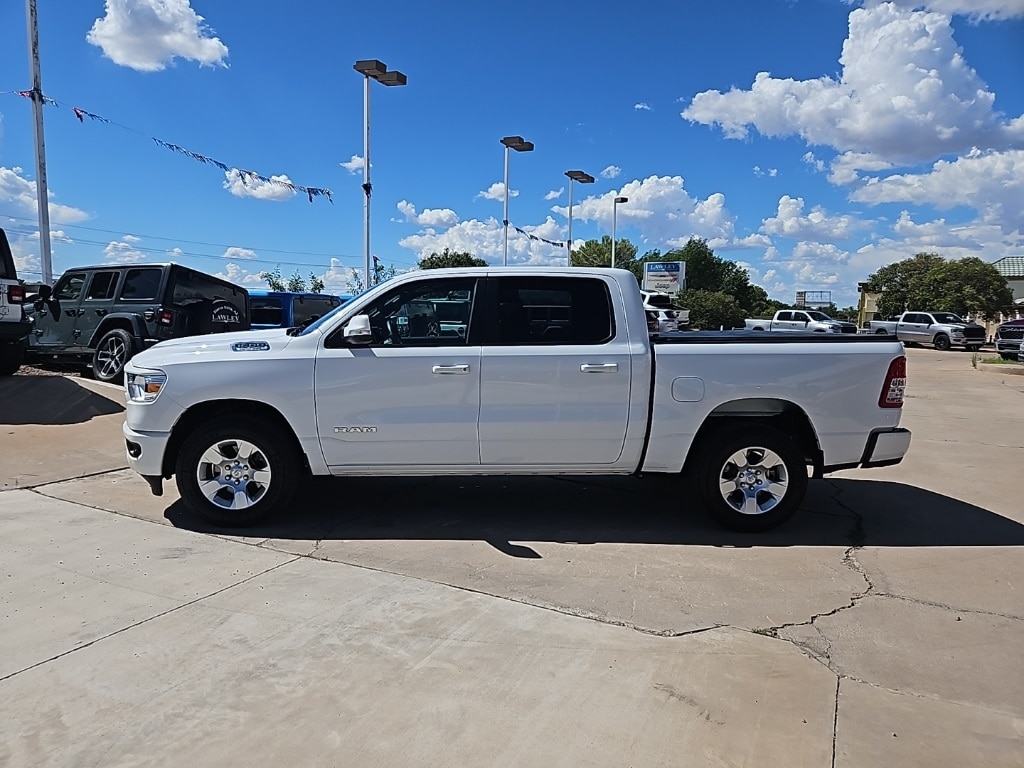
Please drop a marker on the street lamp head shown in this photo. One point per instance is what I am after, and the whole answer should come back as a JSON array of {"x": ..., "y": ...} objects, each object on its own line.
[
  {"x": 580, "y": 176},
  {"x": 621, "y": 200},
  {"x": 518, "y": 143},
  {"x": 370, "y": 67},
  {"x": 392, "y": 78}
]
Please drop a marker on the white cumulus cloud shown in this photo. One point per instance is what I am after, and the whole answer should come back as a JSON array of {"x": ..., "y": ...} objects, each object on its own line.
[
  {"x": 234, "y": 252},
  {"x": 428, "y": 217},
  {"x": 147, "y": 35},
  {"x": 355, "y": 165},
  {"x": 246, "y": 185},
  {"x": 611, "y": 172}
]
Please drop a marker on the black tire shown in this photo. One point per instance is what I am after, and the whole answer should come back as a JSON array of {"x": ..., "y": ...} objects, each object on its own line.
[
  {"x": 111, "y": 355},
  {"x": 882, "y": 332},
  {"x": 12, "y": 355},
  {"x": 777, "y": 479},
  {"x": 1006, "y": 356},
  {"x": 235, "y": 470},
  {"x": 941, "y": 342}
]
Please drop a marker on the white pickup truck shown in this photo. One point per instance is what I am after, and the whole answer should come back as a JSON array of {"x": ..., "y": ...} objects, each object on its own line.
[
  {"x": 552, "y": 371},
  {"x": 800, "y": 320},
  {"x": 942, "y": 330}
]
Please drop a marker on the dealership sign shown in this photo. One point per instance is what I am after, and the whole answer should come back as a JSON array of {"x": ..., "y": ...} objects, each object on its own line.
[{"x": 665, "y": 276}]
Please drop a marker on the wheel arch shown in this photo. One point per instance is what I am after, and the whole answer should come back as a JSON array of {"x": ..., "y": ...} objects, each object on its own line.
[
  {"x": 129, "y": 323},
  {"x": 201, "y": 413},
  {"x": 784, "y": 415}
]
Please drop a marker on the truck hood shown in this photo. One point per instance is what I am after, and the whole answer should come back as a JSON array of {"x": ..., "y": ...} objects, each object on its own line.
[{"x": 212, "y": 345}]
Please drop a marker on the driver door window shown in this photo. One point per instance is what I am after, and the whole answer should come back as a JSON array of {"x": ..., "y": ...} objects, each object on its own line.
[{"x": 433, "y": 314}]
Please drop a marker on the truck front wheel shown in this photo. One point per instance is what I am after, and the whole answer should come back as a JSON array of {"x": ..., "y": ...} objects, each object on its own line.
[
  {"x": 234, "y": 475},
  {"x": 942, "y": 342},
  {"x": 751, "y": 478}
]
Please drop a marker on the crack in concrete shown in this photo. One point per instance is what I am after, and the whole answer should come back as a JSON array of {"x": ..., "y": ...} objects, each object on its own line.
[
  {"x": 149, "y": 619},
  {"x": 951, "y": 608}
]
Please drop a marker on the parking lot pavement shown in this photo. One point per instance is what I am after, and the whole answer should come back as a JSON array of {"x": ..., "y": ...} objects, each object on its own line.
[{"x": 492, "y": 621}]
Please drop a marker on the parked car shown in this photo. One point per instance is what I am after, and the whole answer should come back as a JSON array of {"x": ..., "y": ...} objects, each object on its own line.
[
  {"x": 1008, "y": 339},
  {"x": 100, "y": 316},
  {"x": 289, "y": 309},
  {"x": 14, "y": 328},
  {"x": 664, "y": 315},
  {"x": 942, "y": 330},
  {"x": 525, "y": 390}
]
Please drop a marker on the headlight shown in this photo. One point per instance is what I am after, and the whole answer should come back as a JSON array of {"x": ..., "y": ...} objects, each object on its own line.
[{"x": 144, "y": 387}]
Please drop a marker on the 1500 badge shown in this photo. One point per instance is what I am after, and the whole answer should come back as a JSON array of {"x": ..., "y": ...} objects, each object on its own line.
[{"x": 355, "y": 429}]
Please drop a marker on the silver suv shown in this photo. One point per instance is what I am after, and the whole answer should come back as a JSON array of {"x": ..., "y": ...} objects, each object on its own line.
[{"x": 14, "y": 328}]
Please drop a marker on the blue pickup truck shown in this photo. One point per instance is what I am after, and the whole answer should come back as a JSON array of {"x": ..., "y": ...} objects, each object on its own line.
[{"x": 287, "y": 309}]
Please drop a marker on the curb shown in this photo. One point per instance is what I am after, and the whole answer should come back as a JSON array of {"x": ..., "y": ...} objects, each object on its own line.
[{"x": 1012, "y": 370}]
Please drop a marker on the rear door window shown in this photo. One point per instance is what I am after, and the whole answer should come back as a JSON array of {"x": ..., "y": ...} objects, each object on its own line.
[
  {"x": 552, "y": 310},
  {"x": 265, "y": 310},
  {"x": 141, "y": 284},
  {"x": 102, "y": 286}
]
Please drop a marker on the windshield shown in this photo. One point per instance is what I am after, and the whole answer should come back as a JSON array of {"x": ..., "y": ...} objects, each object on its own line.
[{"x": 946, "y": 317}]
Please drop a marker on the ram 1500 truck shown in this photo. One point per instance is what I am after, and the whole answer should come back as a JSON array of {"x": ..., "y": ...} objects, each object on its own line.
[
  {"x": 801, "y": 320},
  {"x": 553, "y": 372},
  {"x": 942, "y": 330}
]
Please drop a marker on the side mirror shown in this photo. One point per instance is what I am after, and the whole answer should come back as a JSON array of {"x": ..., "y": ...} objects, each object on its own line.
[
  {"x": 45, "y": 292},
  {"x": 358, "y": 330}
]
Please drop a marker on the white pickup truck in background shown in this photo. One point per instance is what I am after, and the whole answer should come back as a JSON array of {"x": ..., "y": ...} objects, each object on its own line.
[
  {"x": 942, "y": 330},
  {"x": 553, "y": 372},
  {"x": 800, "y": 320}
]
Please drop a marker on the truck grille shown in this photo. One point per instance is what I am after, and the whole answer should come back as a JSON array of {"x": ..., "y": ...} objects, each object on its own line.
[
  {"x": 848, "y": 329},
  {"x": 1013, "y": 332},
  {"x": 974, "y": 333}
]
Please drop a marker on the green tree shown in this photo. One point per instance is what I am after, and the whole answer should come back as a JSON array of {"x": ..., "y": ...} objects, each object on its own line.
[
  {"x": 316, "y": 285},
  {"x": 450, "y": 259},
  {"x": 296, "y": 283},
  {"x": 929, "y": 282},
  {"x": 711, "y": 310},
  {"x": 273, "y": 279},
  {"x": 598, "y": 253},
  {"x": 379, "y": 274}
]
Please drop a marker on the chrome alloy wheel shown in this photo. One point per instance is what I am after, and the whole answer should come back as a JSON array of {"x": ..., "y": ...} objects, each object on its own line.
[
  {"x": 233, "y": 474},
  {"x": 111, "y": 356},
  {"x": 753, "y": 481}
]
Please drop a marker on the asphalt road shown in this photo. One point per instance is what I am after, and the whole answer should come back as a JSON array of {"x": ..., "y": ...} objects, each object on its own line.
[{"x": 503, "y": 622}]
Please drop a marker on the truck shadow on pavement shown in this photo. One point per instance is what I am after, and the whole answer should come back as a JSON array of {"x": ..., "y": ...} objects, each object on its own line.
[
  {"x": 502, "y": 510},
  {"x": 51, "y": 400}
]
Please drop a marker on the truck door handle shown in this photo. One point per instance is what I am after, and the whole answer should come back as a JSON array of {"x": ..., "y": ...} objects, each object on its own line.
[
  {"x": 599, "y": 367},
  {"x": 102, "y": 312},
  {"x": 449, "y": 370}
]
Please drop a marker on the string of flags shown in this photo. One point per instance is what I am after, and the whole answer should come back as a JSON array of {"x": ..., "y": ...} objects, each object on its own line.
[
  {"x": 555, "y": 243},
  {"x": 246, "y": 177}
]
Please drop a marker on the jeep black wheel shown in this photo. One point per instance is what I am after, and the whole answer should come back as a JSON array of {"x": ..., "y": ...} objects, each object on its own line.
[
  {"x": 112, "y": 354},
  {"x": 234, "y": 475},
  {"x": 942, "y": 342},
  {"x": 12, "y": 354},
  {"x": 751, "y": 478}
]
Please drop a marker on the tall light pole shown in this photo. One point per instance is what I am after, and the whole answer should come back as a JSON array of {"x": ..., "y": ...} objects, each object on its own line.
[
  {"x": 376, "y": 70},
  {"x": 582, "y": 178},
  {"x": 519, "y": 144},
  {"x": 615, "y": 211},
  {"x": 42, "y": 195}
]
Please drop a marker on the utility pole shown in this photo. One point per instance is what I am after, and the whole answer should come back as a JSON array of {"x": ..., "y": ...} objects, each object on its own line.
[{"x": 42, "y": 194}]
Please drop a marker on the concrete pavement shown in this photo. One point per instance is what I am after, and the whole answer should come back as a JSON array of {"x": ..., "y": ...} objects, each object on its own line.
[{"x": 499, "y": 622}]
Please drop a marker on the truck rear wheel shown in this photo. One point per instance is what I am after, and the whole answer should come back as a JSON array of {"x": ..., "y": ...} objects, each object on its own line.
[
  {"x": 234, "y": 475},
  {"x": 751, "y": 478},
  {"x": 12, "y": 354},
  {"x": 942, "y": 342}
]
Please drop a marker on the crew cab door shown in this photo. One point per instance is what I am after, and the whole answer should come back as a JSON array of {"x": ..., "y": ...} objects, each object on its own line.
[
  {"x": 913, "y": 327},
  {"x": 555, "y": 377},
  {"x": 410, "y": 397},
  {"x": 96, "y": 304}
]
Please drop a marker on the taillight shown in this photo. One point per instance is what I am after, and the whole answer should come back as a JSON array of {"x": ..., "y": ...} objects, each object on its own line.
[
  {"x": 165, "y": 317},
  {"x": 16, "y": 294},
  {"x": 895, "y": 384}
]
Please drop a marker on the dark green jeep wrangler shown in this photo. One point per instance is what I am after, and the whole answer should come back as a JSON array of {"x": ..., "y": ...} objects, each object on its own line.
[{"x": 100, "y": 316}]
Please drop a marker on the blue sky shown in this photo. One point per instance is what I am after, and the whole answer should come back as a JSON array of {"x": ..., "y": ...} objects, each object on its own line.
[{"x": 810, "y": 141}]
